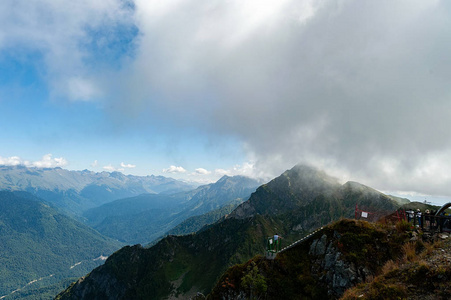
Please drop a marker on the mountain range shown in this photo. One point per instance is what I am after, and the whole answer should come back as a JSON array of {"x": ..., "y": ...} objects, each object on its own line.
[
  {"x": 293, "y": 204},
  {"x": 77, "y": 191},
  {"x": 43, "y": 243}
]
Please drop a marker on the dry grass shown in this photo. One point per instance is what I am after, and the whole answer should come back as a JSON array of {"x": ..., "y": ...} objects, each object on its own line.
[
  {"x": 393, "y": 278},
  {"x": 389, "y": 266},
  {"x": 409, "y": 250},
  {"x": 423, "y": 263},
  {"x": 353, "y": 294},
  {"x": 369, "y": 278},
  {"x": 430, "y": 247}
]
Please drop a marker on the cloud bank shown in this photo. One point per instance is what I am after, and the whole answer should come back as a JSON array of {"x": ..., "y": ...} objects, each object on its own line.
[
  {"x": 201, "y": 171},
  {"x": 47, "y": 161},
  {"x": 353, "y": 86},
  {"x": 72, "y": 44},
  {"x": 357, "y": 87}
]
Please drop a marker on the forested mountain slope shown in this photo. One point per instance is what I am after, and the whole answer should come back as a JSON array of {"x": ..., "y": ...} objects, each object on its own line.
[
  {"x": 36, "y": 241},
  {"x": 143, "y": 218},
  {"x": 293, "y": 204},
  {"x": 196, "y": 223}
]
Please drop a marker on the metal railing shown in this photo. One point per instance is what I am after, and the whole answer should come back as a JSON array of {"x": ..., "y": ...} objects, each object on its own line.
[{"x": 430, "y": 222}]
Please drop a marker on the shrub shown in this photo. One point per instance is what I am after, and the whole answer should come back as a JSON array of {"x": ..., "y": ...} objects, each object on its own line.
[
  {"x": 403, "y": 226},
  {"x": 254, "y": 281}
]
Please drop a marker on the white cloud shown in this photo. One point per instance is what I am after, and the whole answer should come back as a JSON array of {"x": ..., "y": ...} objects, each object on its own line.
[
  {"x": 47, "y": 161},
  {"x": 356, "y": 86},
  {"x": 202, "y": 171},
  {"x": 246, "y": 169},
  {"x": 11, "y": 161},
  {"x": 223, "y": 172},
  {"x": 95, "y": 164},
  {"x": 67, "y": 36},
  {"x": 129, "y": 166},
  {"x": 109, "y": 168},
  {"x": 83, "y": 89},
  {"x": 174, "y": 169}
]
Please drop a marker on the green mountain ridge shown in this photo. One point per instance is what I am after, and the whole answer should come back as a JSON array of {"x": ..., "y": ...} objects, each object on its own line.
[
  {"x": 293, "y": 204},
  {"x": 144, "y": 218},
  {"x": 304, "y": 192},
  {"x": 196, "y": 223},
  {"x": 36, "y": 241}
]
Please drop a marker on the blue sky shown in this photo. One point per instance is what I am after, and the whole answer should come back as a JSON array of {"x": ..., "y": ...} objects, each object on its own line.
[
  {"x": 41, "y": 122},
  {"x": 198, "y": 89}
]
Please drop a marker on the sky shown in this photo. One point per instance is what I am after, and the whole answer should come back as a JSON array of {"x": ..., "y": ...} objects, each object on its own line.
[{"x": 198, "y": 89}]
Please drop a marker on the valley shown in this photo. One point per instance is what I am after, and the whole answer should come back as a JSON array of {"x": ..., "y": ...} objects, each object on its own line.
[
  {"x": 200, "y": 241},
  {"x": 44, "y": 243},
  {"x": 40, "y": 247}
]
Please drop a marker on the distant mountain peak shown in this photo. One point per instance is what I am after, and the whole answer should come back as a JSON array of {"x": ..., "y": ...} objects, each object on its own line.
[
  {"x": 298, "y": 187},
  {"x": 118, "y": 175},
  {"x": 234, "y": 177},
  {"x": 356, "y": 186},
  {"x": 225, "y": 177},
  {"x": 306, "y": 171}
]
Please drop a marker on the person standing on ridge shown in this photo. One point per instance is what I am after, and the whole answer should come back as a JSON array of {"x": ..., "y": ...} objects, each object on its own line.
[
  {"x": 420, "y": 220},
  {"x": 277, "y": 241},
  {"x": 410, "y": 215}
]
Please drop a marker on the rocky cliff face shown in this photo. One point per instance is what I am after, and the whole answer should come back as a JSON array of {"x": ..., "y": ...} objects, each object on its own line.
[
  {"x": 332, "y": 269},
  {"x": 323, "y": 266}
]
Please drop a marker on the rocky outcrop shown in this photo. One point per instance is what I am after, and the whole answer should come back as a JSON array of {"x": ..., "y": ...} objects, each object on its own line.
[
  {"x": 109, "y": 288},
  {"x": 245, "y": 210},
  {"x": 331, "y": 269},
  {"x": 322, "y": 266}
]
